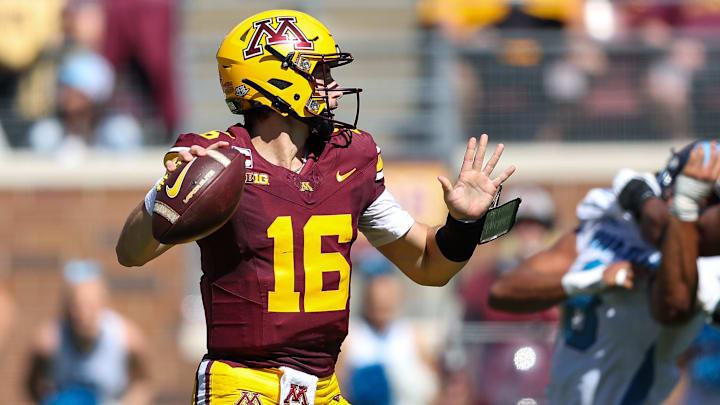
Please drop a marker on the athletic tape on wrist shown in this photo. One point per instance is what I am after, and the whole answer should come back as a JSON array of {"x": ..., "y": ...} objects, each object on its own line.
[
  {"x": 150, "y": 197},
  {"x": 583, "y": 282},
  {"x": 688, "y": 194}
]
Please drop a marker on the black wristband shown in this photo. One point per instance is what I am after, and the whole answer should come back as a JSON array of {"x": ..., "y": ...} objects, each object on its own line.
[
  {"x": 457, "y": 239},
  {"x": 633, "y": 196}
]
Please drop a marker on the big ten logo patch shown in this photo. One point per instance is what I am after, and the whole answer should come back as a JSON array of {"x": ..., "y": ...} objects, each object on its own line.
[
  {"x": 257, "y": 178},
  {"x": 297, "y": 395},
  {"x": 286, "y": 31},
  {"x": 249, "y": 398}
]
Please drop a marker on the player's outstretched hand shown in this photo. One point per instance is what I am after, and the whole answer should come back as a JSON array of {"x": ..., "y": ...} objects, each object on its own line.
[
  {"x": 698, "y": 169},
  {"x": 195, "y": 150},
  {"x": 623, "y": 275},
  {"x": 474, "y": 191}
]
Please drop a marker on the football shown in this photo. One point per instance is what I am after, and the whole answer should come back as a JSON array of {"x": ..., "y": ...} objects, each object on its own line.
[{"x": 199, "y": 196}]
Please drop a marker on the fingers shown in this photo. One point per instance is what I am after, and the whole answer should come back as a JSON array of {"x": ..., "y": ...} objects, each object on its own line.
[
  {"x": 714, "y": 160},
  {"x": 190, "y": 154},
  {"x": 198, "y": 150},
  {"x": 185, "y": 155},
  {"x": 469, "y": 155},
  {"x": 620, "y": 274},
  {"x": 624, "y": 278},
  {"x": 480, "y": 154},
  {"x": 504, "y": 176},
  {"x": 490, "y": 166},
  {"x": 446, "y": 185},
  {"x": 218, "y": 145}
]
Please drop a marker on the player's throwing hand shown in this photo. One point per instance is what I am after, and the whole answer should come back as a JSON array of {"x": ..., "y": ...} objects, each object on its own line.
[
  {"x": 474, "y": 191},
  {"x": 195, "y": 150}
]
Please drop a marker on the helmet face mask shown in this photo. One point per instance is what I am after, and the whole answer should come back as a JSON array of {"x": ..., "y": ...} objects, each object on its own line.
[
  {"x": 269, "y": 60},
  {"x": 321, "y": 96}
]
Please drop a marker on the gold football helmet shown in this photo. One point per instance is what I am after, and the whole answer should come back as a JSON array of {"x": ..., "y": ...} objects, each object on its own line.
[{"x": 269, "y": 60}]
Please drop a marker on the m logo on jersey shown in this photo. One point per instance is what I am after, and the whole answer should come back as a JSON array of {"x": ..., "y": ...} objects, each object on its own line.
[
  {"x": 249, "y": 398},
  {"x": 305, "y": 186},
  {"x": 286, "y": 27},
  {"x": 296, "y": 395}
]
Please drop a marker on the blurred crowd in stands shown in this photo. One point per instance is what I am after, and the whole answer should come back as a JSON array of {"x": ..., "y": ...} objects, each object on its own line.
[
  {"x": 583, "y": 69},
  {"x": 574, "y": 70},
  {"x": 87, "y": 73}
]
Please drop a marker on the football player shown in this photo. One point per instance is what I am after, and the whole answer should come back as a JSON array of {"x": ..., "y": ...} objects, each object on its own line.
[
  {"x": 276, "y": 277},
  {"x": 609, "y": 277}
]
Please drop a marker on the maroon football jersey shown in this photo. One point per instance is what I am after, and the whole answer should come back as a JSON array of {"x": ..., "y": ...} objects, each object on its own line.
[{"x": 276, "y": 277}]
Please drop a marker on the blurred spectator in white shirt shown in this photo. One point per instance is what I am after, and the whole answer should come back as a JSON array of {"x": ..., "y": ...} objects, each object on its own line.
[{"x": 85, "y": 82}]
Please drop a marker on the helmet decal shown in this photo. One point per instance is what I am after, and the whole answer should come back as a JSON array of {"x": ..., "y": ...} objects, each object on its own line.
[
  {"x": 275, "y": 36},
  {"x": 241, "y": 90},
  {"x": 304, "y": 64},
  {"x": 313, "y": 106}
]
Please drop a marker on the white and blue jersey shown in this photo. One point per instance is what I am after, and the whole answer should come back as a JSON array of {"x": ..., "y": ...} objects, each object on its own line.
[{"x": 609, "y": 350}]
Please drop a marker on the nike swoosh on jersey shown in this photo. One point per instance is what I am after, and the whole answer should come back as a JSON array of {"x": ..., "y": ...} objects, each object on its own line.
[
  {"x": 341, "y": 177},
  {"x": 173, "y": 191}
]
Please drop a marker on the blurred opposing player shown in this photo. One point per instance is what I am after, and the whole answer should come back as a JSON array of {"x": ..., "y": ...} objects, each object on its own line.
[
  {"x": 611, "y": 350},
  {"x": 276, "y": 277}
]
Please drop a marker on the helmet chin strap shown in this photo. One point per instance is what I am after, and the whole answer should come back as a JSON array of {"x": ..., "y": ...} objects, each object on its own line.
[{"x": 319, "y": 126}]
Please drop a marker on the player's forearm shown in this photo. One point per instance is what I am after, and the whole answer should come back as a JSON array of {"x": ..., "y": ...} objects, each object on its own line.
[
  {"x": 136, "y": 245},
  {"x": 438, "y": 269},
  {"x": 653, "y": 221},
  {"x": 526, "y": 291},
  {"x": 674, "y": 289},
  {"x": 416, "y": 254}
]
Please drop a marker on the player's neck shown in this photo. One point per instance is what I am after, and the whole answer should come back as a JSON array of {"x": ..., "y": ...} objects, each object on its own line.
[{"x": 281, "y": 141}]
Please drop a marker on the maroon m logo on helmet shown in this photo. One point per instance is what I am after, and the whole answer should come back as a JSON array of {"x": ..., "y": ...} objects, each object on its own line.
[
  {"x": 249, "y": 398},
  {"x": 296, "y": 395},
  {"x": 280, "y": 35}
]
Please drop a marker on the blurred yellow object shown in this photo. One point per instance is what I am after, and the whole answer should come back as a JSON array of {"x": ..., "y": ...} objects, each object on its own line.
[
  {"x": 523, "y": 52},
  {"x": 462, "y": 15},
  {"x": 560, "y": 10},
  {"x": 26, "y": 28},
  {"x": 466, "y": 16}
]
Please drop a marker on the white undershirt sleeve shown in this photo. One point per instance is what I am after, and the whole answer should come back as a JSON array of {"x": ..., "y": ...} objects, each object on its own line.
[{"x": 385, "y": 221}]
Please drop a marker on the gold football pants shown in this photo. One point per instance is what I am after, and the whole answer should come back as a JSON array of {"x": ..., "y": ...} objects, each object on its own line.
[{"x": 218, "y": 383}]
